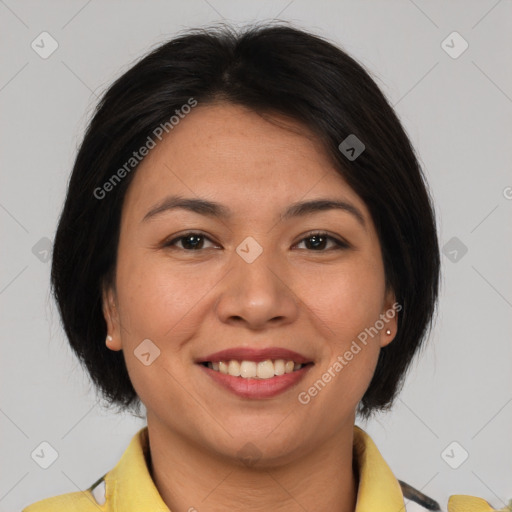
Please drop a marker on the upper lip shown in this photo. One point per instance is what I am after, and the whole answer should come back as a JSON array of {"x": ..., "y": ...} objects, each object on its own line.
[{"x": 256, "y": 355}]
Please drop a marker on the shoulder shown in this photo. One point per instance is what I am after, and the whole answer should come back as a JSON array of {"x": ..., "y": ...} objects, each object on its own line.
[
  {"x": 416, "y": 501},
  {"x": 72, "y": 502},
  {"x": 80, "y": 501},
  {"x": 126, "y": 487},
  {"x": 465, "y": 503}
]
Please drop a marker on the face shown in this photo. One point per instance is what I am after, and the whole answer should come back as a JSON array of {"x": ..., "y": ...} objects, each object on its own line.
[{"x": 252, "y": 276}]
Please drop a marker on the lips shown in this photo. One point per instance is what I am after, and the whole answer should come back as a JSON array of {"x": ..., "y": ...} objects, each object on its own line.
[
  {"x": 256, "y": 355},
  {"x": 255, "y": 373}
]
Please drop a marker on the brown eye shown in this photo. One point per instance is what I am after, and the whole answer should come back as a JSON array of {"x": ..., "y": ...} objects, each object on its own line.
[
  {"x": 189, "y": 241},
  {"x": 318, "y": 241}
]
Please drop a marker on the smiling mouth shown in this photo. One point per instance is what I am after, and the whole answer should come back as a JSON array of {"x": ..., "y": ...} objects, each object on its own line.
[{"x": 255, "y": 370}]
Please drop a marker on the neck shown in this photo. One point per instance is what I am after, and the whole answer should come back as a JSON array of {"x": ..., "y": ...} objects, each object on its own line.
[{"x": 188, "y": 479}]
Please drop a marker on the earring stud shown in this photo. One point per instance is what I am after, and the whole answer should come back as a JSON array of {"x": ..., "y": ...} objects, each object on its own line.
[
  {"x": 388, "y": 332},
  {"x": 109, "y": 338}
]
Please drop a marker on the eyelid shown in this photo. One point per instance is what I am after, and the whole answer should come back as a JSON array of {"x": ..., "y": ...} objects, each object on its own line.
[
  {"x": 170, "y": 242},
  {"x": 339, "y": 242}
]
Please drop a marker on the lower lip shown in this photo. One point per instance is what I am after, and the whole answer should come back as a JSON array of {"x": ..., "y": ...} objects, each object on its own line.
[{"x": 257, "y": 388}]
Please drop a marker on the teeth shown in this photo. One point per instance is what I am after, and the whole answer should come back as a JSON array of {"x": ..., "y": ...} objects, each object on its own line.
[
  {"x": 234, "y": 368},
  {"x": 265, "y": 369},
  {"x": 279, "y": 367},
  {"x": 252, "y": 370},
  {"x": 247, "y": 370}
]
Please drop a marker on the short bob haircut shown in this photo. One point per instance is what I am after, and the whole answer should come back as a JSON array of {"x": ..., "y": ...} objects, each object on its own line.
[{"x": 272, "y": 69}]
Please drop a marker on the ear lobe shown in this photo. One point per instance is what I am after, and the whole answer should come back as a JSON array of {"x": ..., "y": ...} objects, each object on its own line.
[
  {"x": 390, "y": 319},
  {"x": 386, "y": 339},
  {"x": 111, "y": 316}
]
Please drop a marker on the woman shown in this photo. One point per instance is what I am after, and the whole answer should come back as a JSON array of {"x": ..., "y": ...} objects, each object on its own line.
[{"x": 247, "y": 248}]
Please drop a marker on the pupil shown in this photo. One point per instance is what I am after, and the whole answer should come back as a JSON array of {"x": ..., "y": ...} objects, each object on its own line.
[
  {"x": 196, "y": 241},
  {"x": 317, "y": 243}
]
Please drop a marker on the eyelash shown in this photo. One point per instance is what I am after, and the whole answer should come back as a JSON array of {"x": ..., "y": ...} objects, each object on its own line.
[{"x": 339, "y": 244}]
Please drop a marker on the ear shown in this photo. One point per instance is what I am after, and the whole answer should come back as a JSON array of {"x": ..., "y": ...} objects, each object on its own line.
[
  {"x": 389, "y": 316},
  {"x": 111, "y": 314}
]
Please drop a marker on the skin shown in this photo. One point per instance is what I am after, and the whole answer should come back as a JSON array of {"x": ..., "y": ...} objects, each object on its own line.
[{"x": 191, "y": 303}]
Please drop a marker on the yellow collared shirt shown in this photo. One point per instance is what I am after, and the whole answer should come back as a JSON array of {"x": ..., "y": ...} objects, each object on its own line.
[{"x": 129, "y": 486}]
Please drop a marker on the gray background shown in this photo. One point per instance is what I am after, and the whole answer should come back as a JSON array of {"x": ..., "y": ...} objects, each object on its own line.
[{"x": 457, "y": 112}]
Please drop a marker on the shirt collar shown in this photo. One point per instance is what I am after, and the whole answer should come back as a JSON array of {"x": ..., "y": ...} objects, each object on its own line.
[
  {"x": 378, "y": 488},
  {"x": 129, "y": 486}
]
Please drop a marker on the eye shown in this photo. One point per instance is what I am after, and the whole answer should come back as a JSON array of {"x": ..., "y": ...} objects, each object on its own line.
[
  {"x": 189, "y": 241},
  {"x": 318, "y": 241}
]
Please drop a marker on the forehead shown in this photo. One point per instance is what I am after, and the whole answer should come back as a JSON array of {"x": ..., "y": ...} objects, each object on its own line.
[{"x": 231, "y": 154}]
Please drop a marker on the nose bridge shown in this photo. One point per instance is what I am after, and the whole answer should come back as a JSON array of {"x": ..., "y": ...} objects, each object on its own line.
[{"x": 255, "y": 289}]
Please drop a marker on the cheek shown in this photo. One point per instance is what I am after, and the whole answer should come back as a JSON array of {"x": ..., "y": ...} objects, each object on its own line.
[
  {"x": 166, "y": 304},
  {"x": 153, "y": 303},
  {"x": 347, "y": 299},
  {"x": 347, "y": 302},
  {"x": 158, "y": 296}
]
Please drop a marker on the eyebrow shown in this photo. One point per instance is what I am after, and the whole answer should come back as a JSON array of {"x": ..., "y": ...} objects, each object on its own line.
[{"x": 217, "y": 210}]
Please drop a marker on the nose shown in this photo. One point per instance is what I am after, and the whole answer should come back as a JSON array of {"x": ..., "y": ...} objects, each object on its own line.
[{"x": 258, "y": 294}]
